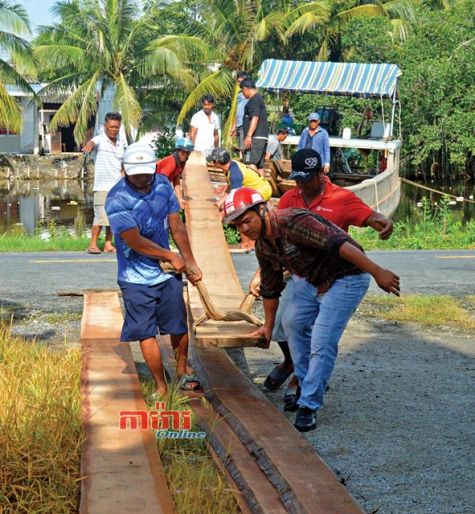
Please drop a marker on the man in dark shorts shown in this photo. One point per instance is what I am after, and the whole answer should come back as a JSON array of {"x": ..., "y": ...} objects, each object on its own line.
[
  {"x": 141, "y": 207},
  {"x": 255, "y": 127}
]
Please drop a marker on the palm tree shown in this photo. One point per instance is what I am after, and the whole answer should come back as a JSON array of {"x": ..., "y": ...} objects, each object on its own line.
[
  {"x": 14, "y": 24},
  {"x": 107, "y": 44}
]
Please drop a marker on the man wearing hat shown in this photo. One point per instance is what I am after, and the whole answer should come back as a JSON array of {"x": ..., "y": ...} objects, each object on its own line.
[
  {"x": 141, "y": 208},
  {"x": 238, "y": 175},
  {"x": 317, "y": 138},
  {"x": 316, "y": 193},
  {"x": 173, "y": 166},
  {"x": 335, "y": 275}
]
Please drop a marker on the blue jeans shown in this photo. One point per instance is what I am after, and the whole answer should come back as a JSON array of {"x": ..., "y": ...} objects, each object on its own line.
[
  {"x": 278, "y": 334},
  {"x": 314, "y": 349}
]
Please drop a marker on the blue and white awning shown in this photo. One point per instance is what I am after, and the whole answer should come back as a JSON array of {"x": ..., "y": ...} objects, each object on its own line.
[{"x": 329, "y": 78}]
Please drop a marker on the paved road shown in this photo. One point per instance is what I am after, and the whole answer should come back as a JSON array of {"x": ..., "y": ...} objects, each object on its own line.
[{"x": 34, "y": 278}]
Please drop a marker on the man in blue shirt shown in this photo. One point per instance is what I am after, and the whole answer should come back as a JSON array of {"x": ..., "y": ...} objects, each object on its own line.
[
  {"x": 141, "y": 208},
  {"x": 238, "y": 129},
  {"x": 317, "y": 138}
]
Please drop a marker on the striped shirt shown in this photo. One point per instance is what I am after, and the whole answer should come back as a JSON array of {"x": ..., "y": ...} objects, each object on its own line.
[
  {"x": 107, "y": 162},
  {"x": 307, "y": 245}
]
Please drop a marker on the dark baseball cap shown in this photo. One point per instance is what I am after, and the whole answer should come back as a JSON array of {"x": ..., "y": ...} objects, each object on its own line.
[
  {"x": 305, "y": 163},
  {"x": 220, "y": 155}
]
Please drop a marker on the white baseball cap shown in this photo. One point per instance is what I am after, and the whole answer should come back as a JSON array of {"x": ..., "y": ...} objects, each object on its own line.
[{"x": 139, "y": 158}]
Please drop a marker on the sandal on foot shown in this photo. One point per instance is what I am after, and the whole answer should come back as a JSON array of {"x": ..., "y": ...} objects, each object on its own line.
[
  {"x": 291, "y": 399},
  {"x": 93, "y": 251},
  {"x": 188, "y": 379},
  {"x": 276, "y": 378}
]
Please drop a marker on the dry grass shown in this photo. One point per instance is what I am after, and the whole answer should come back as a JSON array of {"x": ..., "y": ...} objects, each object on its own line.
[
  {"x": 427, "y": 310},
  {"x": 194, "y": 481},
  {"x": 40, "y": 427}
]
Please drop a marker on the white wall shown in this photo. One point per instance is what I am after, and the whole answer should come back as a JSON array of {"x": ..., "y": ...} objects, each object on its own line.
[{"x": 27, "y": 141}]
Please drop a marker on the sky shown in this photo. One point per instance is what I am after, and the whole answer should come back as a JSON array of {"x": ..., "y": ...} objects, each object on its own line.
[{"x": 38, "y": 11}]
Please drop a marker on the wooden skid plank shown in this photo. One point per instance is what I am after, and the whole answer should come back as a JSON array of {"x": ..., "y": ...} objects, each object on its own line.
[
  {"x": 122, "y": 467},
  {"x": 212, "y": 255},
  {"x": 305, "y": 482},
  {"x": 260, "y": 495}
]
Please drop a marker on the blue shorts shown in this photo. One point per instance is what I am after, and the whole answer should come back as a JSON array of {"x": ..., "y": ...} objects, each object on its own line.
[{"x": 149, "y": 307}]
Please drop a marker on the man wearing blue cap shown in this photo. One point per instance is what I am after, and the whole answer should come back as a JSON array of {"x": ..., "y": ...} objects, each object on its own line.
[{"x": 317, "y": 138}]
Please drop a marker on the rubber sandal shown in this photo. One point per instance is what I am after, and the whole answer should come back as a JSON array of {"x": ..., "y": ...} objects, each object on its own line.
[
  {"x": 291, "y": 397},
  {"x": 110, "y": 251},
  {"x": 276, "y": 378},
  {"x": 187, "y": 379},
  {"x": 93, "y": 252}
]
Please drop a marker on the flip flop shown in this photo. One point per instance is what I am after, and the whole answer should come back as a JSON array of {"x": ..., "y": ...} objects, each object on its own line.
[
  {"x": 110, "y": 251},
  {"x": 93, "y": 252},
  {"x": 187, "y": 379},
  {"x": 276, "y": 378}
]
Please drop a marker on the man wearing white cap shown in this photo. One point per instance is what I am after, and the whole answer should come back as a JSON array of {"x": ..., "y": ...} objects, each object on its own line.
[
  {"x": 141, "y": 208},
  {"x": 317, "y": 138}
]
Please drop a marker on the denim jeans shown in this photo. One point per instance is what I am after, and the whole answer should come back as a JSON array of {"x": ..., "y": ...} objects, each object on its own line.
[
  {"x": 314, "y": 349},
  {"x": 278, "y": 334}
]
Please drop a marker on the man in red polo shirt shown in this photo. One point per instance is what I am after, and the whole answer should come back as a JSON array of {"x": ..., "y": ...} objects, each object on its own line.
[
  {"x": 173, "y": 165},
  {"x": 315, "y": 192}
]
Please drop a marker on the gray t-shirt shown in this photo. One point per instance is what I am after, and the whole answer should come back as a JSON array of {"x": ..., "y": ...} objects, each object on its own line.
[{"x": 275, "y": 149}]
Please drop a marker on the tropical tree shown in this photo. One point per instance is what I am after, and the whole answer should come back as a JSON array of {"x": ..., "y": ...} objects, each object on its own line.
[
  {"x": 14, "y": 24},
  {"x": 102, "y": 45}
]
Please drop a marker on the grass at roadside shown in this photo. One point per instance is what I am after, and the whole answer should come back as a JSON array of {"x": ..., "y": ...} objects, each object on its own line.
[
  {"x": 427, "y": 310},
  {"x": 40, "y": 427},
  {"x": 195, "y": 483}
]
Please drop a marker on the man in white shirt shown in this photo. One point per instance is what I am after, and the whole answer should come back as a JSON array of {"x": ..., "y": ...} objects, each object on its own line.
[
  {"x": 108, "y": 153},
  {"x": 204, "y": 131}
]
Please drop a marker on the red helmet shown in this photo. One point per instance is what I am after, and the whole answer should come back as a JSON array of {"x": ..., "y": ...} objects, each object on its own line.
[{"x": 239, "y": 201}]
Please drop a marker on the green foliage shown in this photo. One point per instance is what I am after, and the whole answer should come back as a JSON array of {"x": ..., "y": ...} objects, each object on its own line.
[
  {"x": 164, "y": 143},
  {"x": 428, "y": 229},
  {"x": 232, "y": 235}
]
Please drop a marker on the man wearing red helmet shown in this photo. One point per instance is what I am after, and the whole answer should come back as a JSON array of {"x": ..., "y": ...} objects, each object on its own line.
[
  {"x": 335, "y": 277},
  {"x": 314, "y": 192}
]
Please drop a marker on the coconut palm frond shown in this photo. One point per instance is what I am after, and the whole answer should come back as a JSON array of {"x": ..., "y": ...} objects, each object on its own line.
[
  {"x": 401, "y": 29},
  {"x": 323, "y": 53},
  {"x": 10, "y": 76},
  {"x": 11, "y": 112},
  {"x": 301, "y": 25},
  {"x": 231, "y": 117},
  {"x": 69, "y": 112},
  {"x": 362, "y": 10},
  {"x": 403, "y": 9},
  {"x": 187, "y": 48},
  {"x": 220, "y": 83},
  {"x": 61, "y": 55},
  {"x": 127, "y": 104},
  {"x": 14, "y": 18}
]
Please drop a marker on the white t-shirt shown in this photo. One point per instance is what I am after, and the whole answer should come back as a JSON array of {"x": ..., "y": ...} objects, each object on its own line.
[
  {"x": 204, "y": 141},
  {"x": 107, "y": 162}
]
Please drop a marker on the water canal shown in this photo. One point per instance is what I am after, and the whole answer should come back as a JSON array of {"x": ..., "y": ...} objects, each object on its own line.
[{"x": 26, "y": 204}]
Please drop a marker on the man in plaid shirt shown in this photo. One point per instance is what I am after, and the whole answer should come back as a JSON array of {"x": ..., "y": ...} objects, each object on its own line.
[{"x": 335, "y": 277}]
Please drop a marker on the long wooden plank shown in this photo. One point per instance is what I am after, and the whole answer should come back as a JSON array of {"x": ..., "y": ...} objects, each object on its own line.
[
  {"x": 212, "y": 255},
  {"x": 305, "y": 482},
  {"x": 260, "y": 495},
  {"x": 122, "y": 467}
]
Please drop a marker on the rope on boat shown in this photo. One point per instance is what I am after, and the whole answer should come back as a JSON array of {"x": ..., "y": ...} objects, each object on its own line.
[
  {"x": 433, "y": 190},
  {"x": 211, "y": 311}
]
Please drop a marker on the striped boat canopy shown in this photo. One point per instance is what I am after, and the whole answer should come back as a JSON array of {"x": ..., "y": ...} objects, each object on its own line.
[{"x": 329, "y": 78}]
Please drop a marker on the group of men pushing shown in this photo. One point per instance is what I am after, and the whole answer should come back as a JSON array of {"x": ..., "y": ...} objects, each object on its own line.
[{"x": 306, "y": 236}]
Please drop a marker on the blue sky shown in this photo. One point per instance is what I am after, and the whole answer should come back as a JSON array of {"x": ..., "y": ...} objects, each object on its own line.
[{"x": 38, "y": 11}]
